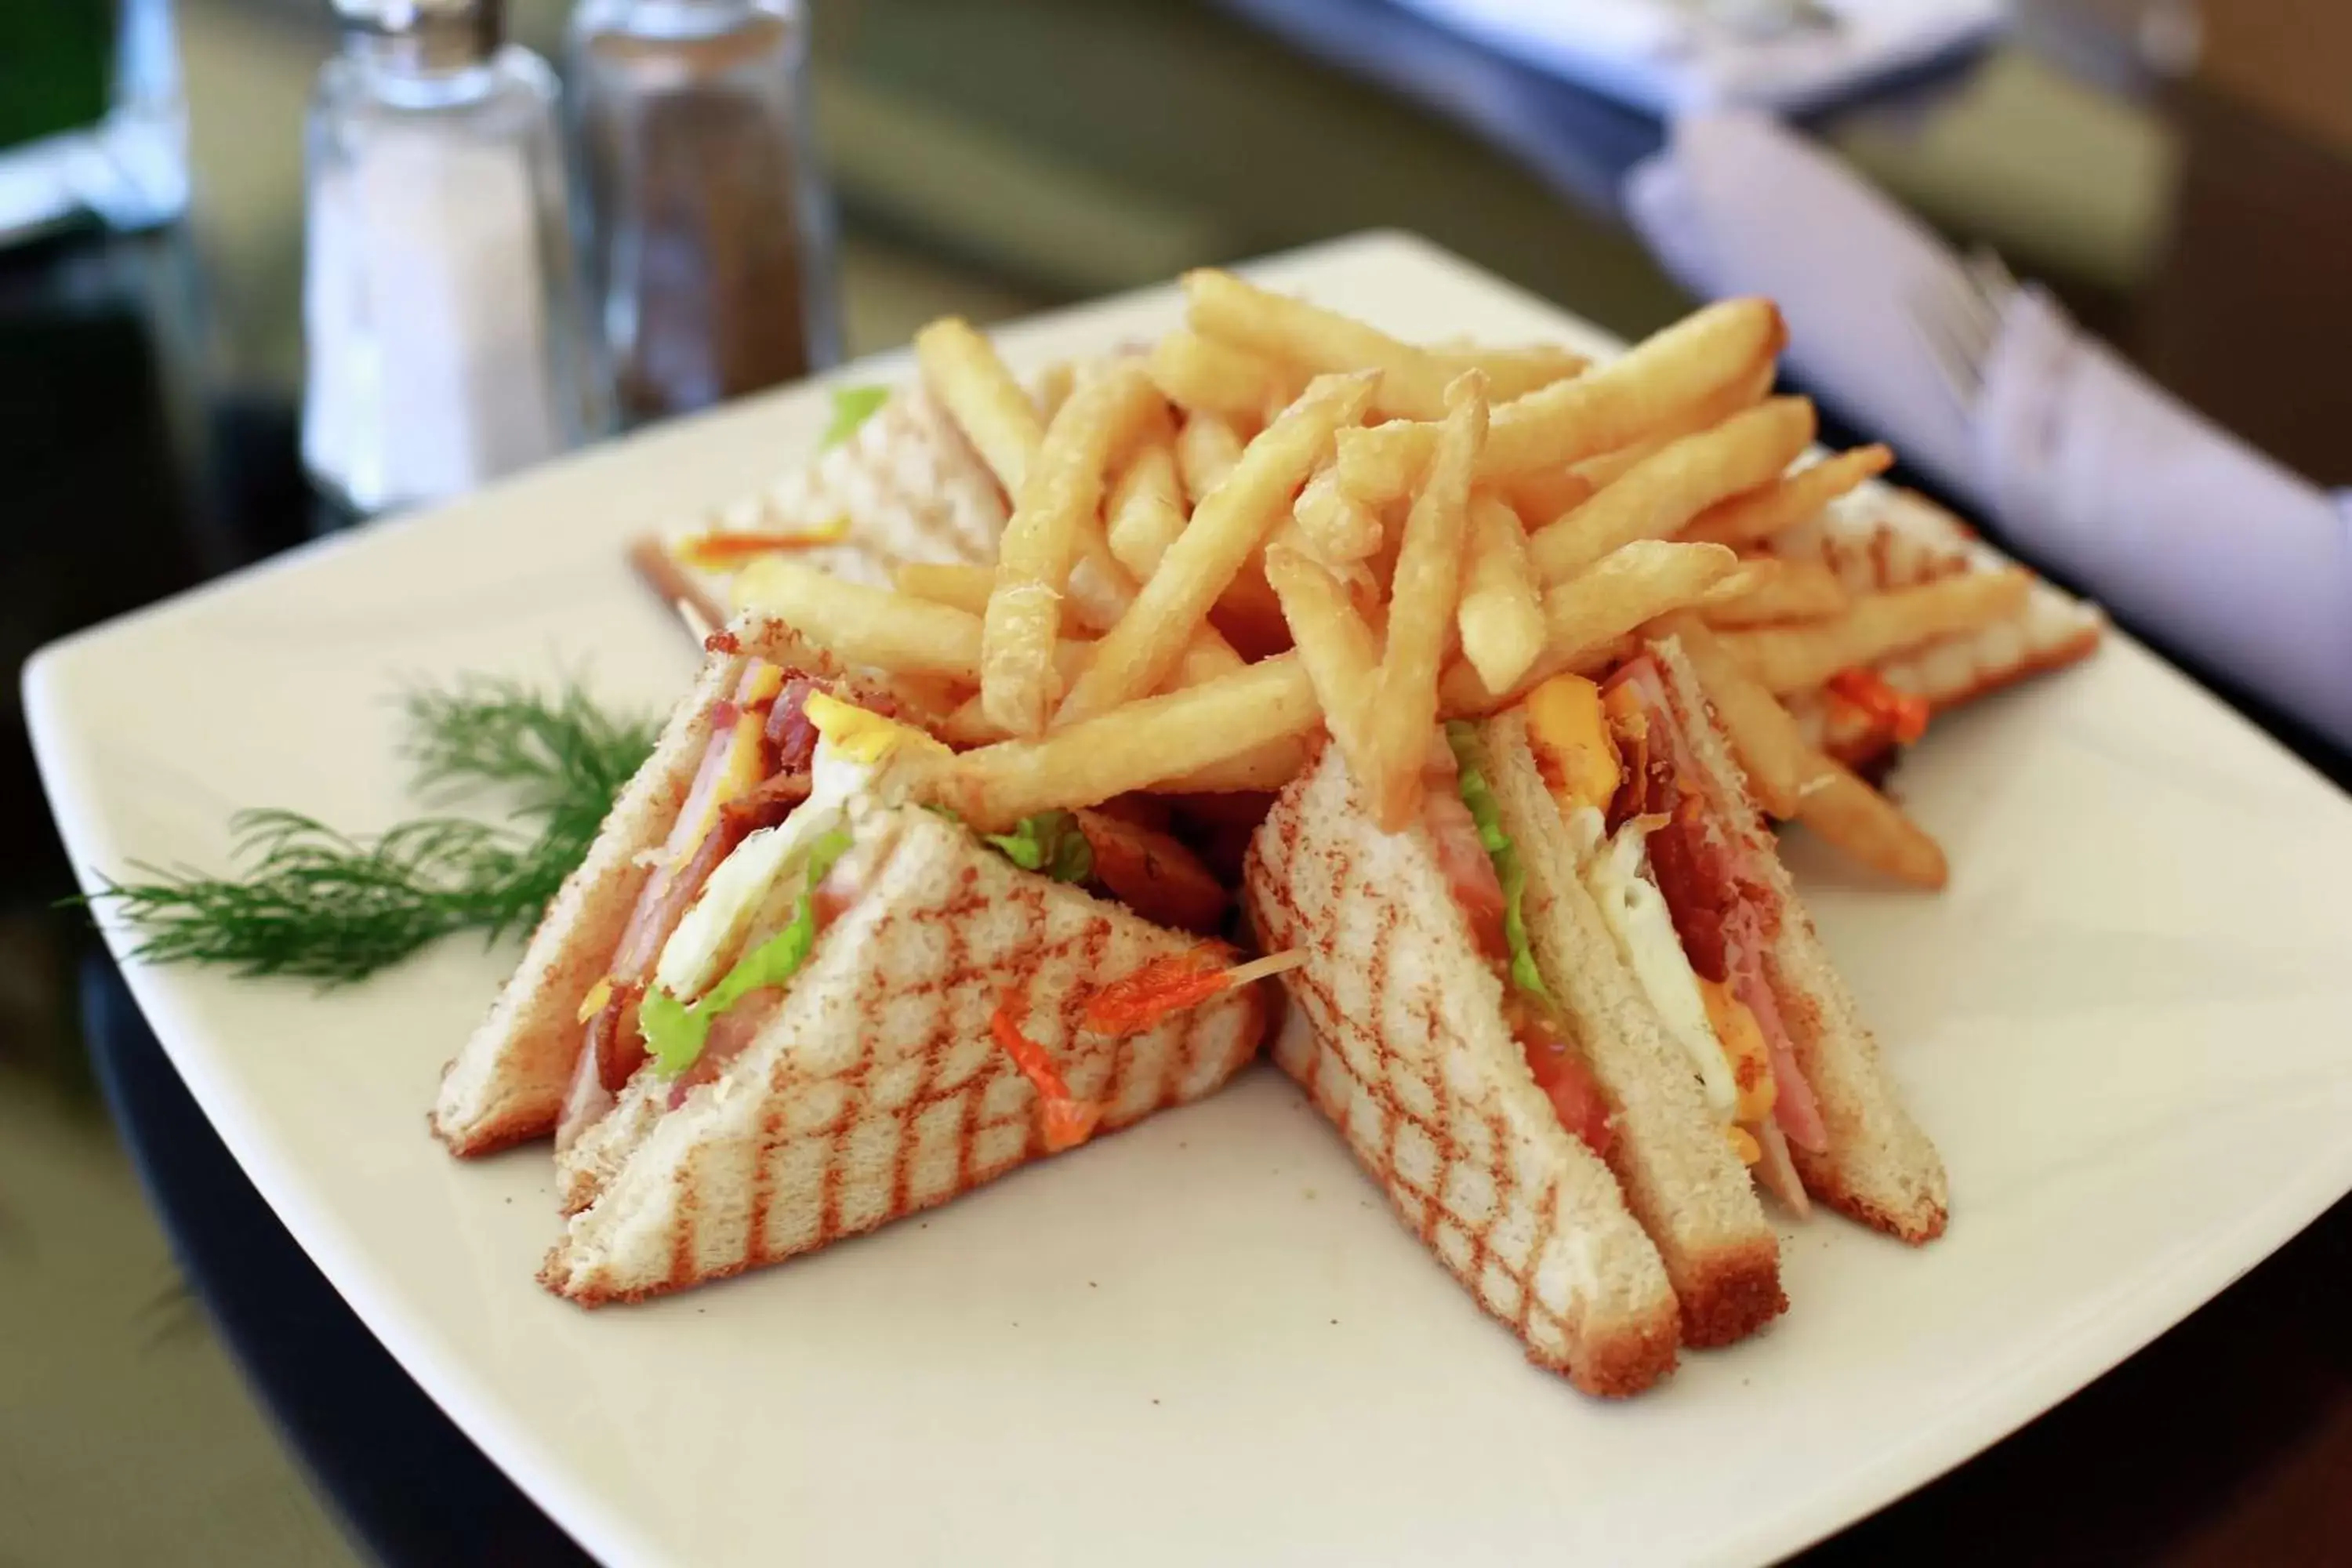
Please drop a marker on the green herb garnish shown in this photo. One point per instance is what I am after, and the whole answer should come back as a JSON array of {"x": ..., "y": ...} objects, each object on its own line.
[
  {"x": 1487, "y": 813},
  {"x": 312, "y": 902},
  {"x": 852, "y": 407}
]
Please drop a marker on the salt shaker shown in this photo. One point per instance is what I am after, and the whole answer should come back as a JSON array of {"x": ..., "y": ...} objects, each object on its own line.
[
  {"x": 708, "y": 232},
  {"x": 446, "y": 334}
]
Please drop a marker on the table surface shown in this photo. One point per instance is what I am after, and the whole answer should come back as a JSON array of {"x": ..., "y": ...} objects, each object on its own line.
[{"x": 147, "y": 423}]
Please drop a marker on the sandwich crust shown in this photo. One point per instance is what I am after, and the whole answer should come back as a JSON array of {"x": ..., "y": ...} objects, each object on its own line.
[{"x": 1398, "y": 1037}]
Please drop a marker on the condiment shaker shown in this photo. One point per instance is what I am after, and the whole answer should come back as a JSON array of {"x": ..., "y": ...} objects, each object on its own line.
[
  {"x": 446, "y": 335},
  {"x": 709, "y": 235}
]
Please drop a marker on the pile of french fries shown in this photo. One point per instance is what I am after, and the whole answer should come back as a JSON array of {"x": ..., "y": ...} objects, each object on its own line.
[{"x": 1278, "y": 521}]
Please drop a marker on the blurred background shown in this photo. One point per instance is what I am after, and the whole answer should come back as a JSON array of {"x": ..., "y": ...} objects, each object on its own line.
[{"x": 2184, "y": 179}]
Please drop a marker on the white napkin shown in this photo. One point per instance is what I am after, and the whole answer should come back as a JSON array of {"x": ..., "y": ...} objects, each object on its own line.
[
  {"x": 1737, "y": 204},
  {"x": 1668, "y": 56},
  {"x": 2178, "y": 526}
]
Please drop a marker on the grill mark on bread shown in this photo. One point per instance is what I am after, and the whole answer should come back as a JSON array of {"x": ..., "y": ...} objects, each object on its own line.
[
  {"x": 682, "y": 1244},
  {"x": 934, "y": 1053},
  {"x": 1546, "y": 1230},
  {"x": 958, "y": 964},
  {"x": 1062, "y": 927},
  {"x": 771, "y": 1129},
  {"x": 1098, "y": 938},
  {"x": 1611, "y": 1350}
]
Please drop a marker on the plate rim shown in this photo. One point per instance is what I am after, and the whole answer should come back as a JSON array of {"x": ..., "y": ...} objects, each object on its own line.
[{"x": 2085, "y": 1350}]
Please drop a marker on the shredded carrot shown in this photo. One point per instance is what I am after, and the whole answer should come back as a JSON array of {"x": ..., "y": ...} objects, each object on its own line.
[
  {"x": 1162, "y": 986},
  {"x": 1166, "y": 985},
  {"x": 1899, "y": 713},
  {"x": 1067, "y": 1121},
  {"x": 716, "y": 551}
]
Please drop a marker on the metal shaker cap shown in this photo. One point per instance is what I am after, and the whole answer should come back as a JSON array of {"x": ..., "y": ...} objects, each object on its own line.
[{"x": 427, "y": 35}]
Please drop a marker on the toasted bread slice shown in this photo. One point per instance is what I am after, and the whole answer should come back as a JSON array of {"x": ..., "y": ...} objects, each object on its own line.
[
  {"x": 905, "y": 485},
  {"x": 506, "y": 1084},
  {"x": 875, "y": 1089},
  {"x": 1879, "y": 1166},
  {"x": 1880, "y": 539},
  {"x": 1400, "y": 1038},
  {"x": 1681, "y": 1177}
]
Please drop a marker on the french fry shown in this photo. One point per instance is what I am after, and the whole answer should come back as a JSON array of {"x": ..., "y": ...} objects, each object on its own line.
[
  {"x": 1411, "y": 385},
  {"x": 1547, "y": 494},
  {"x": 1100, "y": 590},
  {"x": 1739, "y": 393},
  {"x": 1054, "y": 384},
  {"x": 1423, "y": 598},
  {"x": 861, "y": 625},
  {"x": 1341, "y": 657},
  {"x": 896, "y": 633},
  {"x": 1377, "y": 465},
  {"x": 1261, "y": 768},
  {"x": 955, "y": 583},
  {"x": 1658, "y": 495},
  {"x": 1215, "y": 377},
  {"x": 1510, "y": 372},
  {"x": 1797, "y": 658},
  {"x": 1146, "y": 510},
  {"x": 967, "y": 725},
  {"x": 1133, "y": 746},
  {"x": 961, "y": 368},
  {"x": 1207, "y": 447},
  {"x": 1780, "y": 765},
  {"x": 1227, "y": 524},
  {"x": 1648, "y": 388},
  {"x": 1057, "y": 501},
  {"x": 1585, "y": 616},
  {"x": 1744, "y": 519},
  {"x": 1870, "y": 828},
  {"x": 1334, "y": 525},
  {"x": 1205, "y": 658},
  {"x": 1501, "y": 614},
  {"x": 1779, "y": 591}
]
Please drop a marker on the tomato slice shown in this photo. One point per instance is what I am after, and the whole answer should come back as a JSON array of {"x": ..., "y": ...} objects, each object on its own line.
[
  {"x": 1575, "y": 1094},
  {"x": 1468, "y": 870}
]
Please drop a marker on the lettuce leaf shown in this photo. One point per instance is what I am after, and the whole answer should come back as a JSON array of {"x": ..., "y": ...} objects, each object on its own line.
[
  {"x": 1487, "y": 813},
  {"x": 676, "y": 1031},
  {"x": 1050, "y": 842},
  {"x": 852, "y": 407}
]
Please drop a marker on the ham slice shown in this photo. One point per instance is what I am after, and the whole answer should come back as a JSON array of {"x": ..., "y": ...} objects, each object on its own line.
[{"x": 1720, "y": 908}]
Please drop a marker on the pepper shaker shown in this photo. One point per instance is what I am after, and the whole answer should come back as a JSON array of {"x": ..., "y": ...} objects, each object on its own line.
[
  {"x": 709, "y": 234},
  {"x": 445, "y": 334}
]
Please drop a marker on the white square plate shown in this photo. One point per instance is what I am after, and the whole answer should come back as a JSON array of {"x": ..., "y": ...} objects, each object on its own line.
[{"x": 2128, "y": 1024}]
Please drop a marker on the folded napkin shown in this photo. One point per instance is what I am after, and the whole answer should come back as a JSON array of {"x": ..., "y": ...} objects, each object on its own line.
[
  {"x": 2178, "y": 525},
  {"x": 2182, "y": 529},
  {"x": 1667, "y": 56}
]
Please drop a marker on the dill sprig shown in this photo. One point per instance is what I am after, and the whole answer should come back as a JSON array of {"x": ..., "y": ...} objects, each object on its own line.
[{"x": 309, "y": 901}]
